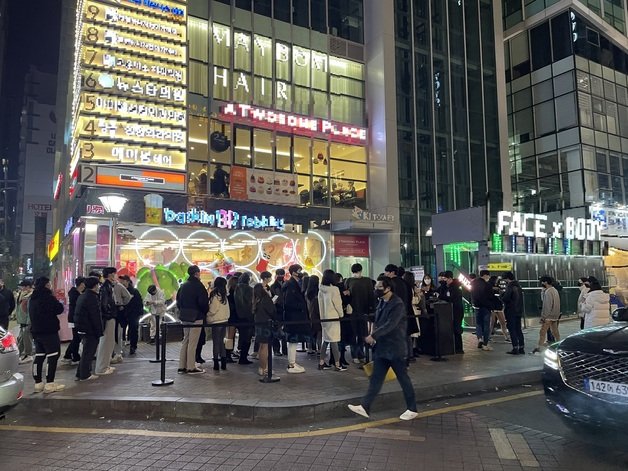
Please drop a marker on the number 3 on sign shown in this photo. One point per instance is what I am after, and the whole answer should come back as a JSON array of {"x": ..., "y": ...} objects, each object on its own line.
[{"x": 88, "y": 174}]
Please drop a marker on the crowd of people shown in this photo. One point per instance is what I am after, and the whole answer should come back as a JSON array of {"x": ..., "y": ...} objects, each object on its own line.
[{"x": 339, "y": 320}]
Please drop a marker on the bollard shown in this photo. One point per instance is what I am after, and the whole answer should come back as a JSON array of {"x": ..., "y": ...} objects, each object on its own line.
[
  {"x": 157, "y": 339},
  {"x": 269, "y": 377},
  {"x": 162, "y": 381}
]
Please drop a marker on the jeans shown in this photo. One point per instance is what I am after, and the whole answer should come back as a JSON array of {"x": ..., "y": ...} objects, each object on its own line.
[
  {"x": 516, "y": 334},
  {"x": 25, "y": 341},
  {"x": 218, "y": 341},
  {"x": 90, "y": 344},
  {"x": 72, "y": 352},
  {"x": 380, "y": 368},
  {"x": 47, "y": 347},
  {"x": 187, "y": 356},
  {"x": 483, "y": 324},
  {"x": 105, "y": 347}
]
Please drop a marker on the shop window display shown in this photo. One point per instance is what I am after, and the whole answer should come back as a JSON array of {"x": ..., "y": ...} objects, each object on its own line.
[
  {"x": 216, "y": 152},
  {"x": 197, "y": 178},
  {"x": 242, "y": 146},
  {"x": 283, "y": 146},
  {"x": 219, "y": 182},
  {"x": 198, "y": 146},
  {"x": 262, "y": 149}
]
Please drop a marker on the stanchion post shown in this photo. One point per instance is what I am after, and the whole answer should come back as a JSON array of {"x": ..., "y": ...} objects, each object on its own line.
[
  {"x": 269, "y": 377},
  {"x": 157, "y": 339},
  {"x": 162, "y": 381},
  {"x": 438, "y": 356}
]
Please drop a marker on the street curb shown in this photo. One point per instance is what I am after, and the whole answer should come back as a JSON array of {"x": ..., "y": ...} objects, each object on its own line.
[{"x": 261, "y": 412}]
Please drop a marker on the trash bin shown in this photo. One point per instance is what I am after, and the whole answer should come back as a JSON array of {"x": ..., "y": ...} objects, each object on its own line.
[{"x": 443, "y": 329}]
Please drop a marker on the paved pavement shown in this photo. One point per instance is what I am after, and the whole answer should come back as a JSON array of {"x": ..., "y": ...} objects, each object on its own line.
[
  {"x": 237, "y": 396},
  {"x": 496, "y": 431}
]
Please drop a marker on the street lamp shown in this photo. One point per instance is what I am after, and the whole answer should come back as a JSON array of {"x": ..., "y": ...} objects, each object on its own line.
[{"x": 113, "y": 204}]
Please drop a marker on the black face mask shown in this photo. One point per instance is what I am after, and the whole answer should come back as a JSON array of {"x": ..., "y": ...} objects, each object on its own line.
[
  {"x": 379, "y": 293},
  {"x": 300, "y": 276}
]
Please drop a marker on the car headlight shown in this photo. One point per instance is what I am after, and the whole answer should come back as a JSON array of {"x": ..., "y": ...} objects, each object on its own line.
[{"x": 550, "y": 359}]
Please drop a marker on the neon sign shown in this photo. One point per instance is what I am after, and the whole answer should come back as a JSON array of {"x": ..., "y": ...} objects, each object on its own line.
[
  {"x": 537, "y": 225},
  {"x": 164, "y": 8},
  {"x": 298, "y": 123},
  {"x": 223, "y": 219}
]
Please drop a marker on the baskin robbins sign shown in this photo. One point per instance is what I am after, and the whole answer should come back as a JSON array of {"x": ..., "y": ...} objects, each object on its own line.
[{"x": 223, "y": 219}]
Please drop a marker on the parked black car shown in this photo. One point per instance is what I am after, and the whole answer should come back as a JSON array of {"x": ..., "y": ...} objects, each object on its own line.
[{"x": 586, "y": 375}]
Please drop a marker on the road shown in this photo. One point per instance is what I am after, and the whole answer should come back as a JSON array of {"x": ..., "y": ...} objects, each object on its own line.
[{"x": 497, "y": 431}]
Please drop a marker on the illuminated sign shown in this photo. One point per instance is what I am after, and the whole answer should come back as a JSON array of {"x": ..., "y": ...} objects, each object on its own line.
[
  {"x": 53, "y": 245},
  {"x": 57, "y": 188},
  {"x": 132, "y": 109},
  {"x": 126, "y": 63},
  {"x": 362, "y": 215},
  {"x": 297, "y": 123},
  {"x": 68, "y": 226},
  {"x": 108, "y": 38},
  {"x": 537, "y": 225},
  {"x": 223, "y": 219},
  {"x": 94, "y": 209},
  {"x": 138, "y": 21},
  {"x": 119, "y": 84},
  {"x": 161, "y": 7},
  {"x": 141, "y": 179},
  {"x": 98, "y": 128},
  {"x": 130, "y": 154}
]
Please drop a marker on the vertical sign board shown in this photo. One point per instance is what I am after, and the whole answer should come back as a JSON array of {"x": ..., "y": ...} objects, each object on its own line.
[
  {"x": 129, "y": 103},
  {"x": 40, "y": 247}
]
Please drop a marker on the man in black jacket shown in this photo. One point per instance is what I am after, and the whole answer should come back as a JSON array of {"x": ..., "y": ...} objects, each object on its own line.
[
  {"x": 193, "y": 304},
  {"x": 362, "y": 302},
  {"x": 88, "y": 324},
  {"x": 295, "y": 310},
  {"x": 72, "y": 352},
  {"x": 243, "y": 297},
  {"x": 275, "y": 293},
  {"x": 453, "y": 295},
  {"x": 108, "y": 311},
  {"x": 513, "y": 309},
  {"x": 133, "y": 310},
  {"x": 483, "y": 300},
  {"x": 9, "y": 299}
]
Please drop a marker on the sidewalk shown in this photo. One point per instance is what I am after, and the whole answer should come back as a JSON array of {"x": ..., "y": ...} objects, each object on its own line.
[{"x": 236, "y": 395}]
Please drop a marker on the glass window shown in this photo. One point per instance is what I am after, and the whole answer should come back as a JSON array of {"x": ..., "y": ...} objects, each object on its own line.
[
  {"x": 263, "y": 7},
  {"x": 348, "y": 193},
  {"x": 301, "y": 66},
  {"x": 612, "y": 118},
  {"x": 347, "y": 152},
  {"x": 543, "y": 91},
  {"x": 242, "y": 146},
  {"x": 623, "y": 120},
  {"x": 566, "y": 113},
  {"x": 221, "y": 88},
  {"x": 318, "y": 16},
  {"x": 283, "y": 148},
  {"x": 300, "y": 14},
  {"x": 215, "y": 155},
  {"x": 561, "y": 36},
  {"x": 524, "y": 125},
  {"x": 301, "y": 155},
  {"x": 520, "y": 55},
  {"x": 320, "y": 104},
  {"x": 283, "y": 61},
  {"x": 544, "y": 118},
  {"x": 588, "y": 158},
  {"x": 346, "y": 86},
  {"x": 548, "y": 164},
  {"x": 601, "y": 164},
  {"x": 348, "y": 170},
  {"x": 320, "y": 191},
  {"x": 262, "y": 149},
  {"x": 346, "y": 19},
  {"x": 301, "y": 103},
  {"x": 319, "y": 158},
  {"x": 563, "y": 83},
  {"x": 219, "y": 180},
  {"x": 221, "y": 41},
  {"x": 346, "y": 68},
  {"x": 622, "y": 95},
  {"x": 263, "y": 92},
  {"x": 320, "y": 68},
  {"x": 304, "y": 189},
  {"x": 198, "y": 145},
  {"x": 347, "y": 110},
  {"x": 242, "y": 87},
  {"x": 609, "y": 91},
  {"x": 586, "y": 110},
  {"x": 198, "y": 35},
  {"x": 197, "y": 178},
  {"x": 242, "y": 51},
  {"x": 583, "y": 81},
  {"x": 615, "y": 164},
  {"x": 596, "y": 86},
  {"x": 281, "y": 11},
  {"x": 198, "y": 79},
  {"x": 263, "y": 56}
]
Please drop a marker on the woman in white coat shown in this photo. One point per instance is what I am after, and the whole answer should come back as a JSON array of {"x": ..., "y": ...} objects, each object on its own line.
[
  {"x": 330, "y": 306},
  {"x": 596, "y": 306},
  {"x": 583, "y": 286}
]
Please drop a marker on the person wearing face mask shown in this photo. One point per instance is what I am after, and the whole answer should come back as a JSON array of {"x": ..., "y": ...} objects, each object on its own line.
[
  {"x": 583, "y": 286},
  {"x": 388, "y": 339},
  {"x": 295, "y": 309}
]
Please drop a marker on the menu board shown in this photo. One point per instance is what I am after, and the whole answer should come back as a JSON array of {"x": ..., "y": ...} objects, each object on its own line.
[
  {"x": 129, "y": 106},
  {"x": 263, "y": 185}
]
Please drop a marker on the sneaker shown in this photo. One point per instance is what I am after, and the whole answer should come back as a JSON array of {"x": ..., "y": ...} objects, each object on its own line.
[
  {"x": 254, "y": 355},
  {"x": 324, "y": 366},
  {"x": 132, "y": 351},
  {"x": 487, "y": 348},
  {"x": 64, "y": 361},
  {"x": 522, "y": 351},
  {"x": 409, "y": 415},
  {"x": 340, "y": 368},
  {"x": 53, "y": 387},
  {"x": 536, "y": 350},
  {"x": 480, "y": 345},
  {"x": 26, "y": 359},
  {"x": 91, "y": 378},
  {"x": 356, "y": 361},
  {"x": 278, "y": 354},
  {"x": 39, "y": 387},
  {"x": 116, "y": 359},
  {"x": 296, "y": 369},
  {"x": 195, "y": 371},
  {"x": 358, "y": 410},
  {"x": 182, "y": 371},
  {"x": 108, "y": 371},
  {"x": 514, "y": 351}
]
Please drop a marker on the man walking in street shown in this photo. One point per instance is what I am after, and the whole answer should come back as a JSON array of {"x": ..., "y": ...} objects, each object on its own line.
[
  {"x": 550, "y": 311},
  {"x": 389, "y": 350},
  {"x": 513, "y": 310},
  {"x": 89, "y": 325},
  {"x": 25, "y": 338},
  {"x": 193, "y": 304},
  {"x": 482, "y": 295},
  {"x": 72, "y": 352},
  {"x": 108, "y": 311},
  {"x": 362, "y": 302},
  {"x": 453, "y": 295}
]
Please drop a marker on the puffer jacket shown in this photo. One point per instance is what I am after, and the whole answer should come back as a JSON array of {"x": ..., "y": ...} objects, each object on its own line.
[
  {"x": 44, "y": 310},
  {"x": 596, "y": 308}
]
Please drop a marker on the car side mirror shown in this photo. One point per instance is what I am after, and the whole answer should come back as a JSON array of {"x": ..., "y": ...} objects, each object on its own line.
[{"x": 621, "y": 314}]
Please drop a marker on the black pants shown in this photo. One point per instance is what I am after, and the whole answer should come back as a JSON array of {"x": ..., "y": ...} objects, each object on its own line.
[
  {"x": 4, "y": 322},
  {"x": 133, "y": 332},
  {"x": 72, "y": 352},
  {"x": 359, "y": 326},
  {"x": 458, "y": 317},
  {"x": 199, "y": 346},
  {"x": 380, "y": 368},
  {"x": 244, "y": 342},
  {"x": 47, "y": 347},
  {"x": 516, "y": 334},
  {"x": 90, "y": 344}
]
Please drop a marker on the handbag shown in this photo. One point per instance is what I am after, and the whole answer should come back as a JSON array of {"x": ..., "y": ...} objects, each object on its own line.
[
  {"x": 228, "y": 344},
  {"x": 368, "y": 370}
]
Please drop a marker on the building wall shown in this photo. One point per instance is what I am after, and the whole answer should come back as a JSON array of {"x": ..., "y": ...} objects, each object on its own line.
[
  {"x": 447, "y": 115},
  {"x": 3, "y": 36}
]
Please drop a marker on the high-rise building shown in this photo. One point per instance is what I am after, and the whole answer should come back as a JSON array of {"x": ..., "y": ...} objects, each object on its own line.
[
  {"x": 567, "y": 90},
  {"x": 3, "y": 36},
  {"x": 38, "y": 131}
]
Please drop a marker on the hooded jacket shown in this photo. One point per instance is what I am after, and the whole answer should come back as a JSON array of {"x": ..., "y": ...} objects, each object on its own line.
[
  {"x": 330, "y": 307},
  {"x": 596, "y": 308},
  {"x": 44, "y": 310}
]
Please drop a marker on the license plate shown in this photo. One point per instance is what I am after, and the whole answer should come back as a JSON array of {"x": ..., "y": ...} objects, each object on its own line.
[{"x": 605, "y": 387}]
